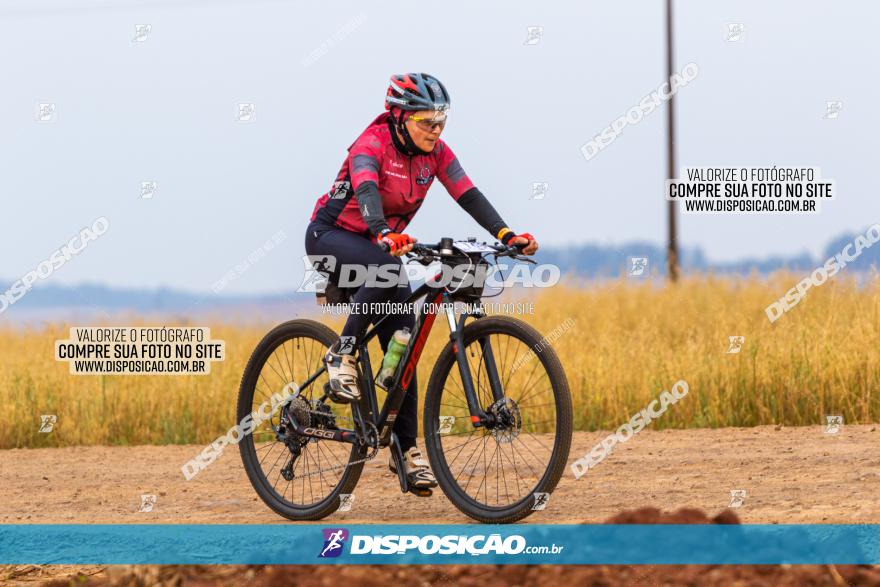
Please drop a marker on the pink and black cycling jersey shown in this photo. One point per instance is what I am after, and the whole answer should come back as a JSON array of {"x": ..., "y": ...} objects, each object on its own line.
[{"x": 402, "y": 181}]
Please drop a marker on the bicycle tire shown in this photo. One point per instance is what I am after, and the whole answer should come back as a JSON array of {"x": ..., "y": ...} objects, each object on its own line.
[{"x": 481, "y": 512}]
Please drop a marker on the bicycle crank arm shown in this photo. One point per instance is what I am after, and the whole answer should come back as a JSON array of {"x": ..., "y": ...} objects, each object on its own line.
[{"x": 397, "y": 455}]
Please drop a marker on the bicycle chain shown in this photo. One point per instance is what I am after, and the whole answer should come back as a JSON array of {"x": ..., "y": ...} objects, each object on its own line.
[{"x": 348, "y": 464}]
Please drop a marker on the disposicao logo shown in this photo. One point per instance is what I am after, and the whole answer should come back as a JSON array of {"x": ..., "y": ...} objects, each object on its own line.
[{"x": 334, "y": 541}]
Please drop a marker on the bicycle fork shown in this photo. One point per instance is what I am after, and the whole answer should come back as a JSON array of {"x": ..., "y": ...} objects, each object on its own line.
[{"x": 479, "y": 417}]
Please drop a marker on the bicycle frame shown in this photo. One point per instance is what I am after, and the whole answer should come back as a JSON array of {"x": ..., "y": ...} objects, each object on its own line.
[
  {"x": 307, "y": 416},
  {"x": 367, "y": 408}
]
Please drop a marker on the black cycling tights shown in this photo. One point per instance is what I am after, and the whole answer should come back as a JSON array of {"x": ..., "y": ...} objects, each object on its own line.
[{"x": 350, "y": 248}]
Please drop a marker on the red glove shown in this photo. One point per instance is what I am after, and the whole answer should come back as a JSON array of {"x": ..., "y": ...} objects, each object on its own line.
[
  {"x": 510, "y": 235},
  {"x": 394, "y": 241}
]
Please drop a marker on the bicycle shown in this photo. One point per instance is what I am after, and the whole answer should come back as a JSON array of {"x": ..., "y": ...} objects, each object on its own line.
[{"x": 324, "y": 445}]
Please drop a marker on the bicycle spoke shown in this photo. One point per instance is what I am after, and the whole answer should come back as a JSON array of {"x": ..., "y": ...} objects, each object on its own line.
[
  {"x": 541, "y": 444},
  {"x": 282, "y": 375},
  {"x": 478, "y": 383},
  {"x": 265, "y": 397},
  {"x": 512, "y": 363},
  {"x": 330, "y": 452},
  {"x": 456, "y": 433},
  {"x": 468, "y": 461},
  {"x": 519, "y": 478},
  {"x": 485, "y": 472},
  {"x": 503, "y": 353},
  {"x": 455, "y": 406},
  {"x": 538, "y": 363},
  {"x": 306, "y": 453},
  {"x": 273, "y": 445},
  {"x": 526, "y": 394},
  {"x": 337, "y": 463},
  {"x": 265, "y": 446},
  {"x": 320, "y": 468},
  {"x": 460, "y": 448},
  {"x": 528, "y": 449},
  {"x": 460, "y": 387},
  {"x": 476, "y": 463},
  {"x": 309, "y": 357},
  {"x": 287, "y": 358},
  {"x": 275, "y": 464},
  {"x": 500, "y": 468},
  {"x": 266, "y": 382}
]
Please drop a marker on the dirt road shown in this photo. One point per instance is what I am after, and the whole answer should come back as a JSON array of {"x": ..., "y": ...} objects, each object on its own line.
[{"x": 790, "y": 475}]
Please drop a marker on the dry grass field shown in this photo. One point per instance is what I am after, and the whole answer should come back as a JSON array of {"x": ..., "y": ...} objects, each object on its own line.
[{"x": 625, "y": 343}]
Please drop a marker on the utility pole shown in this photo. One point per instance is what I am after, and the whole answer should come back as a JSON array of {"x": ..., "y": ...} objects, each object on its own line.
[{"x": 672, "y": 247}]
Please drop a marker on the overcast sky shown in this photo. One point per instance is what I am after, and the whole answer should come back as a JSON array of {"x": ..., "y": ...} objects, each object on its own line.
[{"x": 164, "y": 109}]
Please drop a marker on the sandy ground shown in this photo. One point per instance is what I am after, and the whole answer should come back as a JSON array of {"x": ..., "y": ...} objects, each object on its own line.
[
  {"x": 470, "y": 576},
  {"x": 790, "y": 475}
]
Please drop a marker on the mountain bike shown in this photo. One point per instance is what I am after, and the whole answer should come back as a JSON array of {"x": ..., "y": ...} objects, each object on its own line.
[{"x": 497, "y": 411}]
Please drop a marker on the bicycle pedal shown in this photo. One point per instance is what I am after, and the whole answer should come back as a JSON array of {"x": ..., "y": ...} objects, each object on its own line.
[{"x": 426, "y": 492}]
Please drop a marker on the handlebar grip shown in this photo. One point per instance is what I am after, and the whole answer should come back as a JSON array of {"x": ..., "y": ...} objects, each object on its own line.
[
  {"x": 526, "y": 236},
  {"x": 387, "y": 248}
]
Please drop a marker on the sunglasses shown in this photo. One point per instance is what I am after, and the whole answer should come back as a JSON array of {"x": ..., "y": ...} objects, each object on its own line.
[{"x": 428, "y": 124}]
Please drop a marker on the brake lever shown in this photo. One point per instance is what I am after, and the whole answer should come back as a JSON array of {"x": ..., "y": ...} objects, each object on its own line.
[
  {"x": 421, "y": 259},
  {"x": 514, "y": 253},
  {"x": 421, "y": 254}
]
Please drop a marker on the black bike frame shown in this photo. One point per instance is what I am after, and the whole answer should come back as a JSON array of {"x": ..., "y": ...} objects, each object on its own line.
[{"x": 367, "y": 407}]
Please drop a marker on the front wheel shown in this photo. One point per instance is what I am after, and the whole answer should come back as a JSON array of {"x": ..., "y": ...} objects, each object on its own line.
[{"x": 499, "y": 474}]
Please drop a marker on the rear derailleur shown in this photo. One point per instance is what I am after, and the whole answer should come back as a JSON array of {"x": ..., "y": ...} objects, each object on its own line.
[{"x": 301, "y": 413}]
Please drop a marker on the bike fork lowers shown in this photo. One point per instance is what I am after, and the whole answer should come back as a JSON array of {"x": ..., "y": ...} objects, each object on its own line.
[{"x": 479, "y": 417}]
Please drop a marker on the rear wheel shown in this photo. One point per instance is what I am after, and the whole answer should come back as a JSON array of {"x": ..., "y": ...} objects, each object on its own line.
[
  {"x": 300, "y": 478},
  {"x": 498, "y": 475}
]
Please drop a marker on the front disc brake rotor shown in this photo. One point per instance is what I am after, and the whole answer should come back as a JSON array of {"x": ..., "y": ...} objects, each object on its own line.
[{"x": 508, "y": 420}]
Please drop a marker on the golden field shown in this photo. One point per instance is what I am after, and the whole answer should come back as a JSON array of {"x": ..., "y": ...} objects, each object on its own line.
[{"x": 629, "y": 342}]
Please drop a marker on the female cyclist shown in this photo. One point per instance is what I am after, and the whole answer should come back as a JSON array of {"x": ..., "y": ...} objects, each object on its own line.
[{"x": 361, "y": 221}]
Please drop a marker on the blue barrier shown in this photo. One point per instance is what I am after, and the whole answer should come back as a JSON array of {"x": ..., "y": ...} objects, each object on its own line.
[{"x": 438, "y": 544}]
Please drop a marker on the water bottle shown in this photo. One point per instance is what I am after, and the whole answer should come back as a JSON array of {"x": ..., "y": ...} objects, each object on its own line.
[{"x": 398, "y": 343}]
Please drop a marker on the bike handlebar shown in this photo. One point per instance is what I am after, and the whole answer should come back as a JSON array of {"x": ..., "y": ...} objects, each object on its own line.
[{"x": 445, "y": 248}]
